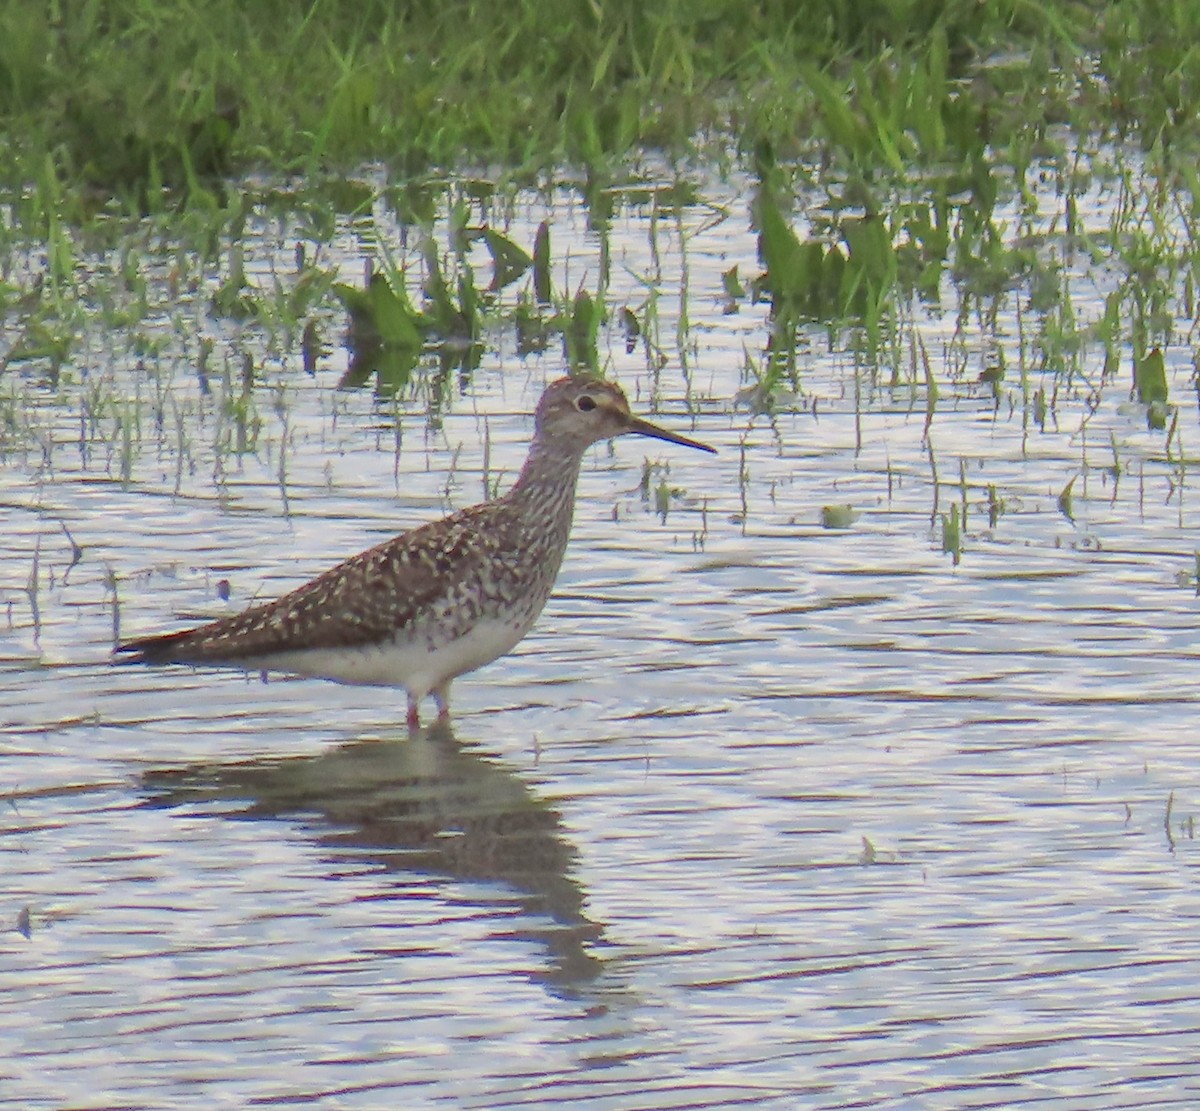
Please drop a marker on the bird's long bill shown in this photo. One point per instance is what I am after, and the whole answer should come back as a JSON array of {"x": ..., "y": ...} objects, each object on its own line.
[{"x": 641, "y": 427}]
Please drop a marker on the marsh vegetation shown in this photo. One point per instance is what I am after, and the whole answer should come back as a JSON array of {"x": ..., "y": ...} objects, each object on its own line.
[{"x": 177, "y": 181}]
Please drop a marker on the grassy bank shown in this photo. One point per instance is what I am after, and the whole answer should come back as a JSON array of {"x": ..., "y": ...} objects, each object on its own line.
[{"x": 126, "y": 95}]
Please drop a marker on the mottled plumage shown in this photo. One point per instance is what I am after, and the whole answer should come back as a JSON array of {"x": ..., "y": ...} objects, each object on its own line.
[{"x": 441, "y": 600}]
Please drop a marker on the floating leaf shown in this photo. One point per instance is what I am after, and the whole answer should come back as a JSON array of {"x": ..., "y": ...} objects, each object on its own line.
[{"x": 838, "y": 516}]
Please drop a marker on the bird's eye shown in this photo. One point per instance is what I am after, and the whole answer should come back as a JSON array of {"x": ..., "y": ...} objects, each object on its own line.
[{"x": 585, "y": 404}]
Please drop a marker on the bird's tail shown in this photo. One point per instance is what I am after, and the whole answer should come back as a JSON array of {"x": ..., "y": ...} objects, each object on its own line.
[{"x": 168, "y": 648}]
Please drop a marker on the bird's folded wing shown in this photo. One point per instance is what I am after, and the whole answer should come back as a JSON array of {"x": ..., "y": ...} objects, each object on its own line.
[{"x": 364, "y": 600}]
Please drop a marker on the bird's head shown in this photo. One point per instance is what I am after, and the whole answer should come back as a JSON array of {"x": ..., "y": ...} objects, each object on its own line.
[{"x": 581, "y": 411}]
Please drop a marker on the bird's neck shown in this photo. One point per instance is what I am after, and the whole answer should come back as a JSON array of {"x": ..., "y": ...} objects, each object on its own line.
[{"x": 545, "y": 488}]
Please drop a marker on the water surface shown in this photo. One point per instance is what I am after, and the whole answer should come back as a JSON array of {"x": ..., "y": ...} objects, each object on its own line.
[{"x": 761, "y": 814}]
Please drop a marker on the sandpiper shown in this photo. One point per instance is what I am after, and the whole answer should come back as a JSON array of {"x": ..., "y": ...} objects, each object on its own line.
[{"x": 440, "y": 600}]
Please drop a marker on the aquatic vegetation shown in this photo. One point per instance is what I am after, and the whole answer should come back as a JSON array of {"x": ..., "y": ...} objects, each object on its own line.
[
  {"x": 838, "y": 516},
  {"x": 1150, "y": 384},
  {"x": 385, "y": 332},
  {"x": 1066, "y": 499},
  {"x": 958, "y": 206},
  {"x": 952, "y": 534}
]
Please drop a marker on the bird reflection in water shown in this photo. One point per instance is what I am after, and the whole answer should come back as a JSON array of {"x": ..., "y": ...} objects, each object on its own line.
[{"x": 427, "y": 805}]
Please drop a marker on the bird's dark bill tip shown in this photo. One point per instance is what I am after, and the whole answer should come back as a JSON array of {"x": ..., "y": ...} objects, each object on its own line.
[{"x": 653, "y": 431}]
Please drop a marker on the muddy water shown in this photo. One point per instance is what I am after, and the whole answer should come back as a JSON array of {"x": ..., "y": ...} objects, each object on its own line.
[{"x": 762, "y": 813}]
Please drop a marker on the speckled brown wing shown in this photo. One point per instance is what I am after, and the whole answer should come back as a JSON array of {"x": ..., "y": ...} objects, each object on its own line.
[{"x": 363, "y": 600}]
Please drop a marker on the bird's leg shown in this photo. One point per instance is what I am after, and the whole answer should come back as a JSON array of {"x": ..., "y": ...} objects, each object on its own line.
[
  {"x": 441, "y": 698},
  {"x": 414, "y": 714}
]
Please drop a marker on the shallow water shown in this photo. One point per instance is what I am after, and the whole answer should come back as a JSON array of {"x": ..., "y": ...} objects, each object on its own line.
[{"x": 762, "y": 813}]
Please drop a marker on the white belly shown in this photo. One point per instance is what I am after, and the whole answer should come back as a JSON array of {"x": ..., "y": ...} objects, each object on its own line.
[{"x": 409, "y": 665}]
